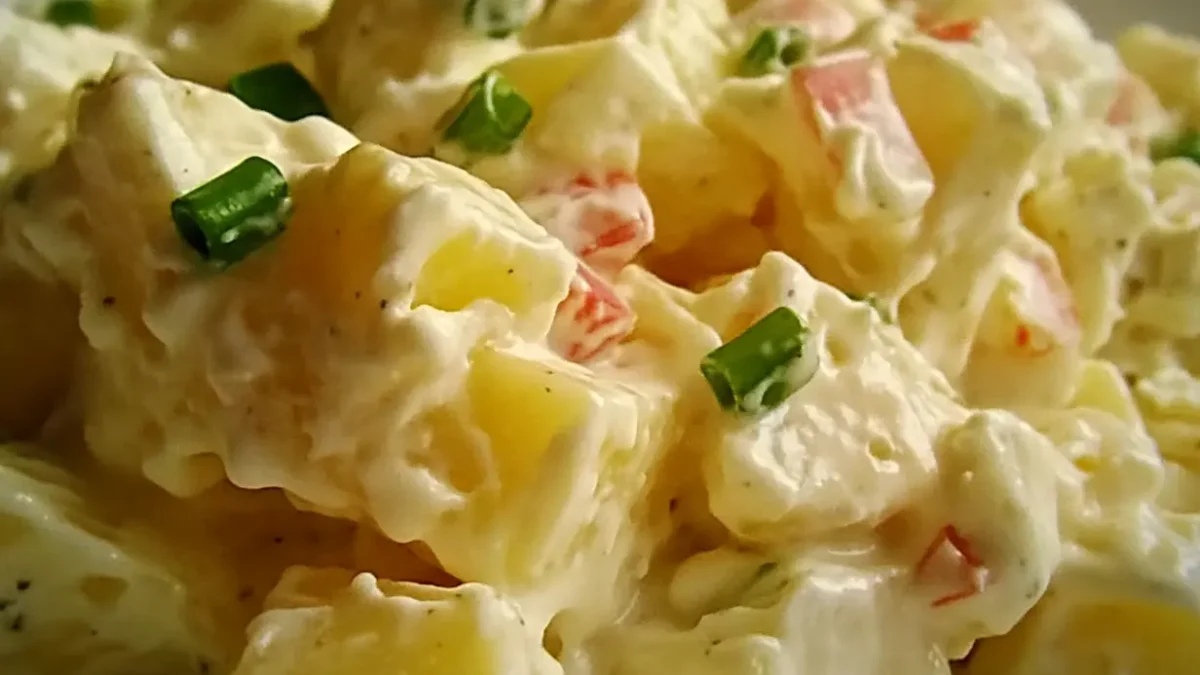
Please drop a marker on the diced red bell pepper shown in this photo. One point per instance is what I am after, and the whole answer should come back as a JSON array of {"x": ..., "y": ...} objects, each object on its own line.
[
  {"x": 852, "y": 88},
  {"x": 951, "y": 561},
  {"x": 591, "y": 319},
  {"x": 605, "y": 220},
  {"x": 1055, "y": 317},
  {"x": 954, "y": 31}
]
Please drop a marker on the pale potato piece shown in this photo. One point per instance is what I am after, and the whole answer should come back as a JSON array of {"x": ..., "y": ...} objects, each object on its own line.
[
  {"x": 847, "y": 450},
  {"x": 1169, "y": 63},
  {"x": 390, "y": 68},
  {"x": 326, "y": 622},
  {"x": 842, "y": 156},
  {"x": 370, "y": 361},
  {"x": 1095, "y": 213},
  {"x": 1158, "y": 328},
  {"x": 633, "y": 101},
  {"x": 1080, "y": 74},
  {"x": 94, "y": 595},
  {"x": 40, "y": 66},
  {"x": 815, "y": 616},
  {"x": 210, "y": 41},
  {"x": 124, "y": 579},
  {"x": 1092, "y": 625},
  {"x": 978, "y": 115}
]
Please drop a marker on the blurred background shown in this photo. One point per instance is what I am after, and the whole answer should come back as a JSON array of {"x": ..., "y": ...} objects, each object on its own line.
[{"x": 1109, "y": 16}]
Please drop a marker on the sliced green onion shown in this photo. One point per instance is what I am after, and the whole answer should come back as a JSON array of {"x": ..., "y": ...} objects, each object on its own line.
[
  {"x": 762, "y": 367},
  {"x": 1185, "y": 145},
  {"x": 278, "y": 89},
  {"x": 71, "y": 13},
  {"x": 489, "y": 118},
  {"x": 496, "y": 19},
  {"x": 774, "y": 50},
  {"x": 234, "y": 214}
]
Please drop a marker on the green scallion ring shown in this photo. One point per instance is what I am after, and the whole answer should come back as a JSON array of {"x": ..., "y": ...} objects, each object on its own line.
[
  {"x": 496, "y": 19},
  {"x": 234, "y": 214},
  {"x": 762, "y": 367},
  {"x": 774, "y": 50},
  {"x": 71, "y": 13},
  {"x": 1185, "y": 145},
  {"x": 489, "y": 118},
  {"x": 278, "y": 89}
]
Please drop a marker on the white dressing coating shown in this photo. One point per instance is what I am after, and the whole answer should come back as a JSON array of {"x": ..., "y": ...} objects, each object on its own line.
[
  {"x": 858, "y": 610},
  {"x": 766, "y": 479},
  {"x": 417, "y": 627},
  {"x": 42, "y": 66},
  {"x": 451, "y": 420},
  {"x": 206, "y": 41},
  {"x": 80, "y": 576}
]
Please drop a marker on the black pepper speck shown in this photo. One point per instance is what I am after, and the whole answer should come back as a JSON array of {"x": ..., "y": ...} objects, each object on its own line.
[{"x": 23, "y": 584}]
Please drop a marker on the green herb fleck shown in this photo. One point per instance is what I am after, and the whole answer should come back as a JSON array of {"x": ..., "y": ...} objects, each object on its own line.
[
  {"x": 1185, "y": 145},
  {"x": 774, "y": 50}
]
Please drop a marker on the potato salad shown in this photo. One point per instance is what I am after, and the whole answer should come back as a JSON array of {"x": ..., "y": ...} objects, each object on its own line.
[{"x": 597, "y": 337}]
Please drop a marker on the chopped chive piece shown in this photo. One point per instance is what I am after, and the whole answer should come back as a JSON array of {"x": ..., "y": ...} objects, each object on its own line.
[
  {"x": 278, "y": 89},
  {"x": 489, "y": 117},
  {"x": 774, "y": 50},
  {"x": 234, "y": 214},
  {"x": 759, "y": 369},
  {"x": 1185, "y": 145},
  {"x": 496, "y": 19},
  {"x": 71, "y": 13}
]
